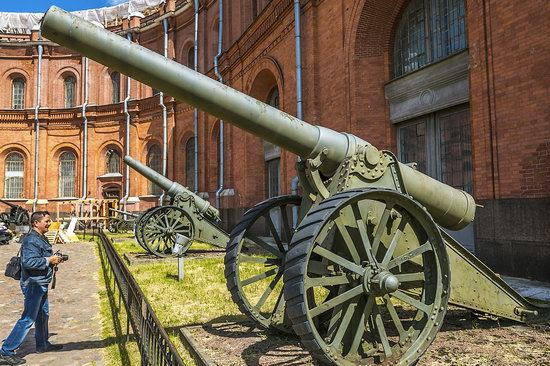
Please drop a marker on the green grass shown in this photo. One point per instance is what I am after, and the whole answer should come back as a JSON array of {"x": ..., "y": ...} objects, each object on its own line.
[{"x": 202, "y": 297}]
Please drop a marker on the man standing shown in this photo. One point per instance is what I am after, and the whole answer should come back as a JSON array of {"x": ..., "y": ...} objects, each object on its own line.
[{"x": 37, "y": 269}]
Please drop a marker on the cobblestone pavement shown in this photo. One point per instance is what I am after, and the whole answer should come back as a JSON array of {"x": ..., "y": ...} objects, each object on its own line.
[{"x": 74, "y": 309}]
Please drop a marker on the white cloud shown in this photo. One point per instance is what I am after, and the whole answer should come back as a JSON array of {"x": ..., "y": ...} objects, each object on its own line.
[{"x": 115, "y": 2}]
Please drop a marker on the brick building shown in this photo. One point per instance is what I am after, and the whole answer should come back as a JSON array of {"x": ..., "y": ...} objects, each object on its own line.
[{"x": 458, "y": 86}]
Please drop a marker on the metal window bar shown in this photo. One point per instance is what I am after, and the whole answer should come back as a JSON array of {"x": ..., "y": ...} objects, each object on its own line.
[
  {"x": 190, "y": 162},
  {"x": 154, "y": 162},
  {"x": 113, "y": 161},
  {"x": 115, "y": 81},
  {"x": 18, "y": 94},
  {"x": 429, "y": 30},
  {"x": 67, "y": 170},
  {"x": 14, "y": 168},
  {"x": 153, "y": 341},
  {"x": 70, "y": 86}
]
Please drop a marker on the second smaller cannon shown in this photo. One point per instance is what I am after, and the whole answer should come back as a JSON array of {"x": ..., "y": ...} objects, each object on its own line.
[{"x": 187, "y": 214}]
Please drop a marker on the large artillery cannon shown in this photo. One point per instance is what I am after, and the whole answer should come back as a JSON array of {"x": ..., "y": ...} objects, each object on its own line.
[
  {"x": 367, "y": 275},
  {"x": 187, "y": 214},
  {"x": 17, "y": 215}
]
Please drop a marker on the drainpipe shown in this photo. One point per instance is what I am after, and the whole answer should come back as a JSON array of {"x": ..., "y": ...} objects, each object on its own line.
[
  {"x": 220, "y": 78},
  {"x": 164, "y": 117},
  {"x": 196, "y": 112},
  {"x": 37, "y": 126},
  {"x": 299, "y": 112},
  {"x": 127, "y": 138},
  {"x": 85, "y": 137}
]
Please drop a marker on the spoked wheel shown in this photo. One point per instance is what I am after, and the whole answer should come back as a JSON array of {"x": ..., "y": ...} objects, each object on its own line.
[
  {"x": 112, "y": 225},
  {"x": 160, "y": 227},
  {"x": 138, "y": 227},
  {"x": 367, "y": 279},
  {"x": 22, "y": 218},
  {"x": 123, "y": 226},
  {"x": 255, "y": 260}
]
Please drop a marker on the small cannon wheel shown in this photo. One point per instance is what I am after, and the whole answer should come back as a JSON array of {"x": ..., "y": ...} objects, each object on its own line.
[
  {"x": 123, "y": 226},
  {"x": 138, "y": 227},
  {"x": 255, "y": 259},
  {"x": 22, "y": 218},
  {"x": 160, "y": 227},
  {"x": 367, "y": 279},
  {"x": 112, "y": 225}
]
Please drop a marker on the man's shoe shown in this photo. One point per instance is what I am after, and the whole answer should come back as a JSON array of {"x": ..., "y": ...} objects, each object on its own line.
[
  {"x": 49, "y": 348},
  {"x": 11, "y": 360}
]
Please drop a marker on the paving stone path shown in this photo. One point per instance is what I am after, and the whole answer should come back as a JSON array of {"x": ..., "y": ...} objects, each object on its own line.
[{"x": 74, "y": 309}]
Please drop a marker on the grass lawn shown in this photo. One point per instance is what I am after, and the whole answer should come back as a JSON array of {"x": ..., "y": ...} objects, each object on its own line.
[{"x": 202, "y": 297}]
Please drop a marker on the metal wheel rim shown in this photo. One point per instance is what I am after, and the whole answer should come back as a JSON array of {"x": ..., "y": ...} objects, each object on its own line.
[
  {"x": 138, "y": 227},
  {"x": 274, "y": 317},
  {"x": 160, "y": 227},
  {"x": 358, "y": 322},
  {"x": 112, "y": 225}
]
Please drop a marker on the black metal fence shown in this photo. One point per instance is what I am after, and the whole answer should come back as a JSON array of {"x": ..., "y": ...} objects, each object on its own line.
[{"x": 154, "y": 344}]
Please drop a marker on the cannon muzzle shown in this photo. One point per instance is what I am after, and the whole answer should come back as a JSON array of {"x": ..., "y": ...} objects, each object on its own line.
[
  {"x": 171, "y": 188},
  {"x": 449, "y": 207}
]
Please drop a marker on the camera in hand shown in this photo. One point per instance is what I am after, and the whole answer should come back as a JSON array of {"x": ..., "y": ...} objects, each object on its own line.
[{"x": 64, "y": 257}]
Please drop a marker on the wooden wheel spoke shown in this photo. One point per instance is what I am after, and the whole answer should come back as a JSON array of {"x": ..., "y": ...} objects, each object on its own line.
[
  {"x": 286, "y": 224},
  {"x": 326, "y": 281},
  {"x": 274, "y": 232},
  {"x": 395, "y": 318},
  {"x": 334, "y": 258},
  {"x": 268, "y": 290},
  {"x": 259, "y": 277},
  {"x": 411, "y": 277},
  {"x": 411, "y": 301},
  {"x": 361, "y": 226},
  {"x": 381, "y": 227},
  {"x": 350, "y": 245},
  {"x": 382, "y": 332},
  {"x": 348, "y": 295},
  {"x": 358, "y": 336},
  {"x": 409, "y": 255},
  {"x": 262, "y": 244},
  {"x": 394, "y": 241},
  {"x": 344, "y": 324}
]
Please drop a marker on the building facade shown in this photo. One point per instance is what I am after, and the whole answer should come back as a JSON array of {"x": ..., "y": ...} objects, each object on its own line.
[{"x": 457, "y": 86}]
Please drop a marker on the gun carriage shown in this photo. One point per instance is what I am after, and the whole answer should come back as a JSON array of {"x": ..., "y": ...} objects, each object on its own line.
[
  {"x": 366, "y": 276},
  {"x": 187, "y": 214},
  {"x": 16, "y": 216},
  {"x": 121, "y": 221}
]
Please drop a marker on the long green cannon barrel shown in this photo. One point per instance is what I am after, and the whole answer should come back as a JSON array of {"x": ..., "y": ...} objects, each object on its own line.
[
  {"x": 171, "y": 188},
  {"x": 449, "y": 207}
]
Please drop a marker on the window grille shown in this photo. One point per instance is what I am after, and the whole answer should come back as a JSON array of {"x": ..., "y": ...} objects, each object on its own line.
[
  {"x": 67, "y": 172},
  {"x": 153, "y": 162},
  {"x": 191, "y": 58},
  {"x": 273, "y": 177},
  {"x": 70, "y": 91},
  {"x": 18, "y": 93},
  {"x": 113, "y": 161},
  {"x": 115, "y": 82},
  {"x": 272, "y": 153},
  {"x": 429, "y": 30},
  {"x": 190, "y": 163},
  {"x": 13, "y": 184},
  {"x": 441, "y": 145}
]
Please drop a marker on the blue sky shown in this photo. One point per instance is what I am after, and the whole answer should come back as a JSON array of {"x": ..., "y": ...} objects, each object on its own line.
[{"x": 40, "y": 6}]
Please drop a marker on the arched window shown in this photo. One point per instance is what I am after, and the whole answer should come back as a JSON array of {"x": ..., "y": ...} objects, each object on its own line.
[
  {"x": 113, "y": 161},
  {"x": 272, "y": 153},
  {"x": 190, "y": 163},
  {"x": 67, "y": 172},
  {"x": 191, "y": 58},
  {"x": 13, "y": 181},
  {"x": 154, "y": 162},
  {"x": 429, "y": 30},
  {"x": 70, "y": 91},
  {"x": 18, "y": 93},
  {"x": 115, "y": 82}
]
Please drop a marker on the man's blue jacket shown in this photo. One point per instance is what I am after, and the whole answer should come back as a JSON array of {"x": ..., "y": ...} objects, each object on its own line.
[{"x": 35, "y": 268}]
